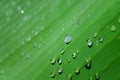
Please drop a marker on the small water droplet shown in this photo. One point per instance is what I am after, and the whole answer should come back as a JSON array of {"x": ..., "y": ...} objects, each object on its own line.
[
  {"x": 119, "y": 20},
  {"x": 77, "y": 71},
  {"x": 22, "y": 53},
  {"x": 28, "y": 39},
  {"x": 59, "y": 61},
  {"x": 101, "y": 39},
  {"x": 60, "y": 70},
  {"x": 2, "y": 72},
  {"x": 69, "y": 77},
  {"x": 91, "y": 78},
  {"x": 77, "y": 51},
  {"x": 88, "y": 63},
  {"x": 62, "y": 51},
  {"x": 97, "y": 76},
  {"x": 35, "y": 44},
  {"x": 53, "y": 61},
  {"x": 22, "y": 11},
  {"x": 95, "y": 34},
  {"x": 74, "y": 55},
  {"x": 68, "y": 39},
  {"x": 63, "y": 29},
  {"x": 52, "y": 74},
  {"x": 42, "y": 28},
  {"x": 89, "y": 43},
  {"x": 27, "y": 56},
  {"x": 69, "y": 60},
  {"x": 113, "y": 28}
]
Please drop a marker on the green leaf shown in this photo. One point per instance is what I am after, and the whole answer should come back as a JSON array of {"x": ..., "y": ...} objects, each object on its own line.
[{"x": 83, "y": 34}]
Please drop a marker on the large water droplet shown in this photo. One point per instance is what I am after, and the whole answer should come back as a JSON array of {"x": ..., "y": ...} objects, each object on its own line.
[
  {"x": 97, "y": 76},
  {"x": 74, "y": 55},
  {"x": 53, "y": 61},
  {"x": 113, "y": 28},
  {"x": 89, "y": 43},
  {"x": 60, "y": 70},
  {"x": 101, "y": 39},
  {"x": 68, "y": 39},
  {"x": 77, "y": 71},
  {"x": 59, "y": 61},
  {"x": 88, "y": 63},
  {"x": 52, "y": 74}
]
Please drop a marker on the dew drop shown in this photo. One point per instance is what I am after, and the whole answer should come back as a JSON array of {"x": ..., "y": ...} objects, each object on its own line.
[
  {"x": 113, "y": 28},
  {"x": 68, "y": 39},
  {"x": 62, "y": 51},
  {"x": 95, "y": 34},
  {"x": 53, "y": 61},
  {"x": 2, "y": 72},
  {"x": 69, "y": 77},
  {"x": 35, "y": 44},
  {"x": 22, "y": 11},
  {"x": 69, "y": 60},
  {"x": 88, "y": 63},
  {"x": 52, "y": 74},
  {"x": 77, "y": 71},
  {"x": 101, "y": 39},
  {"x": 91, "y": 78},
  {"x": 89, "y": 43},
  {"x": 97, "y": 76},
  {"x": 28, "y": 39},
  {"x": 74, "y": 55},
  {"x": 27, "y": 56},
  {"x": 59, "y": 61},
  {"x": 119, "y": 20},
  {"x": 60, "y": 70}
]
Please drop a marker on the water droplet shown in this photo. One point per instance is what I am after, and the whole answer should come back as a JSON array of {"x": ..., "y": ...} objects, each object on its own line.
[
  {"x": 95, "y": 34},
  {"x": 53, "y": 61},
  {"x": 69, "y": 77},
  {"x": 68, "y": 60},
  {"x": 97, "y": 76},
  {"x": 59, "y": 61},
  {"x": 113, "y": 28},
  {"x": 28, "y": 39},
  {"x": 119, "y": 20},
  {"x": 77, "y": 51},
  {"x": 62, "y": 51},
  {"x": 89, "y": 43},
  {"x": 52, "y": 74},
  {"x": 60, "y": 70},
  {"x": 68, "y": 39},
  {"x": 91, "y": 78},
  {"x": 42, "y": 28},
  {"x": 74, "y": 55},
  {"x": 88, "y": 63},
  {"x": 2, "y": 72},
  {"x": 63, "y": 29},
  {"x": 101, "y": 39},
  {"x": 77, "y": 71},
  {"x": 22, "y": 11},
  {"x": 22, "y": 53},
  {"x": 35, "y": 44},
  {"x": 27, "y": 56}
]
